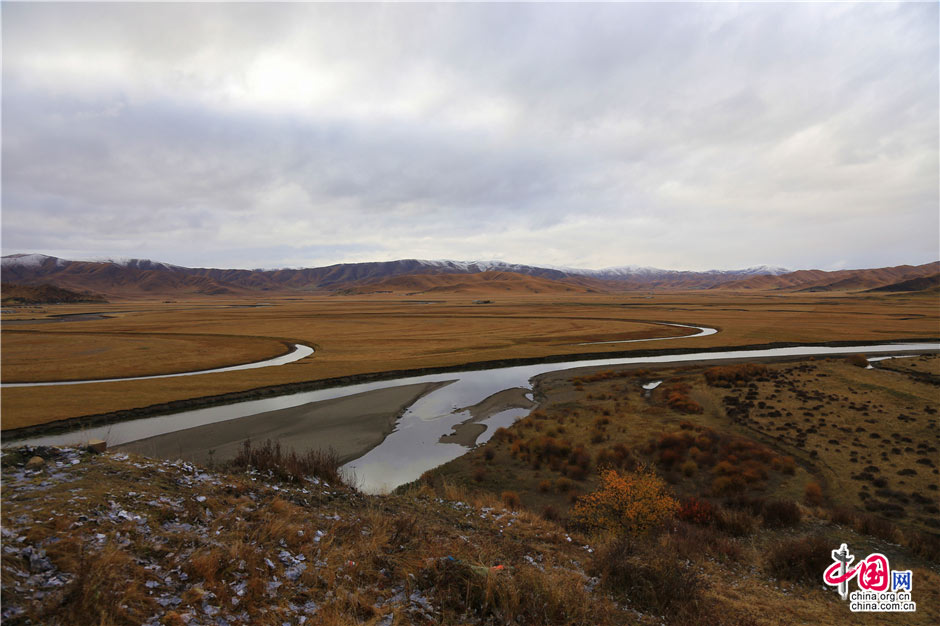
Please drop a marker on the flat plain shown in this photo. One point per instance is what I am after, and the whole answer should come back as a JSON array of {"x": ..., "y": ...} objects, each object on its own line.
[{"x": 355, "y": 335}]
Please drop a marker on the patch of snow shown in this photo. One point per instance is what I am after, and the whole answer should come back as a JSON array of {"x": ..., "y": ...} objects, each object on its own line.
[{"x": 28, "y": 260}]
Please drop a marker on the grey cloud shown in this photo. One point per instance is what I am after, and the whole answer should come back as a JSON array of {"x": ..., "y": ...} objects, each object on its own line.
[{"x": 600, "y": 135}]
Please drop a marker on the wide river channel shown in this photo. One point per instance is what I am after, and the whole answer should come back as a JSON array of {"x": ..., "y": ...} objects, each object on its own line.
[{"x": 415, "y": 445}]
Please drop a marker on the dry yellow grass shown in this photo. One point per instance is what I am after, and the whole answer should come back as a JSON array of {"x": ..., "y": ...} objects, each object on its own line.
[
  {"x": 358, "y": 335},
  {"x": 39, "y": 356}
]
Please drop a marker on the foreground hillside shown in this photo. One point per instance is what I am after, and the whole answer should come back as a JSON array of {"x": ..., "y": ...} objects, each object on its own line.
[
  {"x": 713, "y": 523},
  {"x": 114, "y": 539},
  {"x": 117, "y": 539}
]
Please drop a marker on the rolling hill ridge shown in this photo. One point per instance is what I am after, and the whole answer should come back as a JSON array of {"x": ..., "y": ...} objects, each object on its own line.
[{"x": 142, "y": 278}]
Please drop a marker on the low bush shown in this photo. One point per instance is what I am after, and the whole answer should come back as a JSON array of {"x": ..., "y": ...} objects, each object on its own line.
[
  {"x": 651, "y": 579},
  {"x": 735, "y": 523},
  {"x": 692, "y": 543},
  {"x": 876, "y": 527},
  {"x": 813, "y": 495},
  {"x": 669, "y": 457},
  {"x": 728, "y": 375},
  {"x": 550, "y": 513},
  {"x": 725, "y": 485},
  {"x": 785, "y": 464},
  {"x": 503, "y": 434},
  {"x": 575, "y": 472},
  {"x": 696, "y": 511},
  {"x": 924, "y": 545},
  {"x": 525, "y": 595},
  {"x": 291, "y": 466},
  {"x": 843, "y": 515},
  {"x": 510, "y": 500},
  {"x": 635, "y": 503},
  {"x": 781, "y": 514},
  {"x": 801, "y": 559},
  {"x": 678, "y": 399}
]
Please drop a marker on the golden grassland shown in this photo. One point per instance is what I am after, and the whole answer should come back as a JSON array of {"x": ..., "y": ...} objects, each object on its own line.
[
  {"x": 37, "y": 356},
  {"x": 357, "y": 335}
]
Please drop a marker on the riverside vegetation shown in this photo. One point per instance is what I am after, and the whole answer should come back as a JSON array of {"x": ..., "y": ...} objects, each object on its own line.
[{"x": 604, "y": 506}]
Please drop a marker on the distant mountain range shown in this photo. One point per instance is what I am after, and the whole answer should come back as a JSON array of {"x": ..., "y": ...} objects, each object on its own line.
[{"x": 142, "y": 277}]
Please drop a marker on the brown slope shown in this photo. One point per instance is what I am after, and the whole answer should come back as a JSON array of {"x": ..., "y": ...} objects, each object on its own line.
[
  {"x": 481, "y": 283},
  {"x": 115, "y": 280},
  {"x": 43, "y": 294},
  {"x": 923, "y": 283},
  {"x": 839, "y": 280}
]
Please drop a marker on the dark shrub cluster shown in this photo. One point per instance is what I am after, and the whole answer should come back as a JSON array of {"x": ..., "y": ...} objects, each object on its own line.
[
  {"x": 801, "y": 559},
  {"x": 678, "y": 399},
  {"x": 781, "y": 514},
  {"x": 649, "y": 577},
  {"x": 696, "y": 511},
  {"x": 268, "y": 457},
  {"x": 730, "y": 375},
  {"x": 736, "y": 463}
]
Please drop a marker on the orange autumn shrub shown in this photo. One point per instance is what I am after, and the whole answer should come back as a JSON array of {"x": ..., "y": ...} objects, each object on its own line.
[
  {"x": 678, "y": 399},
  {"x": 813, "y": 494},
  {"x": 729, "y": 375},
  {"x": 635, "y": 502}
]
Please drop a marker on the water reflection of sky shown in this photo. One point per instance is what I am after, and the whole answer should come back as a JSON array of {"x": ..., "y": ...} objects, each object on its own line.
[{"x": 414, "y": 447}]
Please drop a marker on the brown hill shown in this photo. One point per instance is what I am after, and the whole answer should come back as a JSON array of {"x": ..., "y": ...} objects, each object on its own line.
[
  {"x": 840, "y": 280},
  {"x": 482, "y": 283},
  {"x": 129, "y": 279},
  {"x": 136, "y": 278},
  {"x": 923, "y": 283},
  {"x": 43, "y": 294}
]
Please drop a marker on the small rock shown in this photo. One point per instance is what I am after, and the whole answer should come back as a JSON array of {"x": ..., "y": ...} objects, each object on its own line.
[{"x": 35, "y": 463}]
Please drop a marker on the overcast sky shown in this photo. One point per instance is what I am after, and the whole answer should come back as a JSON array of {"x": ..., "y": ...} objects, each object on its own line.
[{"x": 681, "y": 136}]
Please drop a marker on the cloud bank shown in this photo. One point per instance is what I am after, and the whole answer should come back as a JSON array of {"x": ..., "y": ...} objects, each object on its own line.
[{"x": 689, "y": 136}]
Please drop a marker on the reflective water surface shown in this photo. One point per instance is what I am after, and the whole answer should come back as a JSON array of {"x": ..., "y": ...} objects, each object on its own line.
[{"x": 414, "y": 446}]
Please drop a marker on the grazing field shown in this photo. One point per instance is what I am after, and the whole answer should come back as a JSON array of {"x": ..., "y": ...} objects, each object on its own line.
[
  {"x": 357, "y": 335},
  {"x": 52, "y": 356}
]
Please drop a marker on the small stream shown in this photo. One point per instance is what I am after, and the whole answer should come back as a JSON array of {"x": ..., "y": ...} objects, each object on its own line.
[{"x": 299, "y": 351}]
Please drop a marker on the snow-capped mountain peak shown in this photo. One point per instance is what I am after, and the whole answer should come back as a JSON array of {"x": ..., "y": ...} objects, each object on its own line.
[{"x": 29, "y": 260}]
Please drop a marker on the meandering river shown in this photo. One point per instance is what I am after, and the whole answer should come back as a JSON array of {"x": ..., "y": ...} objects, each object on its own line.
[{"x": 415, "y": 445}]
